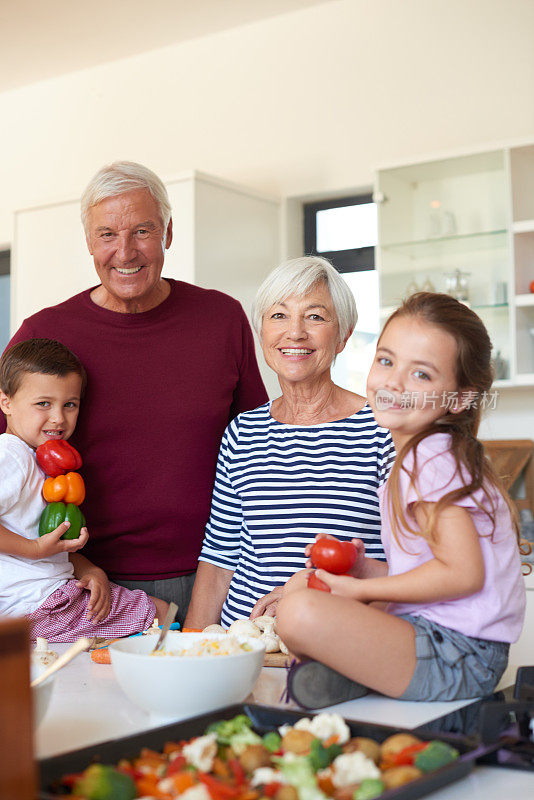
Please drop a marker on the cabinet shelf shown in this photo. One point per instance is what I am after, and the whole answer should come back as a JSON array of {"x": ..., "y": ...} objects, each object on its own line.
[
  {"x": 482, "y": 207},
  {"x": 523, "y": 226},
  {"x": 524, "y": 300},
  {"x": 450, "y": 245}
]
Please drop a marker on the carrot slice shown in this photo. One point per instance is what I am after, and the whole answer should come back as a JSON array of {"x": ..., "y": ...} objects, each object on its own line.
[{"x": 101, "y": 656}]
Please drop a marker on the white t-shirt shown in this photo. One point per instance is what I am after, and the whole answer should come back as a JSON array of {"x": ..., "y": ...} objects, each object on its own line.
[{"x": 25, "y": 583}]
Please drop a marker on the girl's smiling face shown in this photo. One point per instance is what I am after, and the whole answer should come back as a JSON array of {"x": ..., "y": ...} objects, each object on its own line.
[{"x": 412, "y": 381}]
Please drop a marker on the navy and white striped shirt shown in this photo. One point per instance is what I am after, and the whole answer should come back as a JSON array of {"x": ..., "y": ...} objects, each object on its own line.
[{"x": 279, "y": 485}]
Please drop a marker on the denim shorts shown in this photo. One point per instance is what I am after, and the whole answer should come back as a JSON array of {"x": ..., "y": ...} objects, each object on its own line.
[{"x": 452, "y": 666}]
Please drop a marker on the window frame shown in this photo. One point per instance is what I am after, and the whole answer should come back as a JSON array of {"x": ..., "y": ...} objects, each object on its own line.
[{"x": 356, "y": 259}]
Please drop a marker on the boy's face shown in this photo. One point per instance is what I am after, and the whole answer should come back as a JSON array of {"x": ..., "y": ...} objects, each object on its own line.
[{"x": 44, "y": 407}]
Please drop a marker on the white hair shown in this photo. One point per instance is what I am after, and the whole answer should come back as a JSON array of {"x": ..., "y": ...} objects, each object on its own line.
[
  {"x": 296, "y": 277},
  {"x": 120, "y": 177}
]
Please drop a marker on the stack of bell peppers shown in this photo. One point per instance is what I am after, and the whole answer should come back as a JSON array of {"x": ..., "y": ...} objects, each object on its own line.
[{"x": 63, "y": 490}]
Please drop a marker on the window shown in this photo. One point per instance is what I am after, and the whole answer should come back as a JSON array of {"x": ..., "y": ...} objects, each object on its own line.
[
  {"x": 5, "y": 258},
  {"x": 345, "y": 232}
]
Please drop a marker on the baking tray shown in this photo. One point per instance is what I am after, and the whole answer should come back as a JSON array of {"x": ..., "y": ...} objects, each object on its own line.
[{"x": 264, "y": 718}]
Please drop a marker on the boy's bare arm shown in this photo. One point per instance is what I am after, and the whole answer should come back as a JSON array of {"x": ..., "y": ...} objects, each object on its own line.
[
  {"x": 95, "y": 580},
  {"x": 13, "y": 544}
]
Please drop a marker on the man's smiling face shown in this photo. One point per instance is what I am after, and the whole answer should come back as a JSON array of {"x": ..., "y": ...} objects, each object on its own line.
[{"x": 127, "y": 242}]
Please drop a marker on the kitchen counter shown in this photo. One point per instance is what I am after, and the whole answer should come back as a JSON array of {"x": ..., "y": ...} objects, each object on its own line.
[{"x": 88, "y": 706}]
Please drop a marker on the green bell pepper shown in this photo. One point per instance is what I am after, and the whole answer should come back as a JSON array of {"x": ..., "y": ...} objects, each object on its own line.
[{"x": 56, "y": 513}]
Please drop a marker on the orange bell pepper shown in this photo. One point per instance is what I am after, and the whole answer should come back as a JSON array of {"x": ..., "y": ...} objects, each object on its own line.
[
  {"x": 68, "y": 488},
  {"x": 55, "y": 489}
]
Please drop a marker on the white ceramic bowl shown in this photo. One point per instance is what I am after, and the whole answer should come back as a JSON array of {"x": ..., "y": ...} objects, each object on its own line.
[
  {"x": 179, "y": 686},
  {"x": 41, "y": 694}
]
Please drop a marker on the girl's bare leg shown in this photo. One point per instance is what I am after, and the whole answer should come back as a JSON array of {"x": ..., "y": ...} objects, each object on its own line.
[{"x": 364, "y": 643}]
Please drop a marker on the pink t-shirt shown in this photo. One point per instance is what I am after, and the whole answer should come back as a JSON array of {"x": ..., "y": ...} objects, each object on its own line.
[{"x": 497, "y": 611}]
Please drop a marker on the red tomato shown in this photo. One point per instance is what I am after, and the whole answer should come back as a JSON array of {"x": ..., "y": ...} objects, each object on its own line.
[
  {"x": 316, "y": 583},
  {"x": 333, "y": 555},
  {"x": 532, "y": 286}
]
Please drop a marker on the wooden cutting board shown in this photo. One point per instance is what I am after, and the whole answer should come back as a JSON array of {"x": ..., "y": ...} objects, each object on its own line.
[{"x": 277, "y": 659}]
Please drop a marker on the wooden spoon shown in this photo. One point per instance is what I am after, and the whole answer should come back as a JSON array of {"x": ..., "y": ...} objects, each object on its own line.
[{"x": 82, "y": 644}]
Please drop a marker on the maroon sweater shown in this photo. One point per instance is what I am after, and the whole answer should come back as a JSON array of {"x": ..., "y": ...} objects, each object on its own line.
[{"x": 162, "y": 386}]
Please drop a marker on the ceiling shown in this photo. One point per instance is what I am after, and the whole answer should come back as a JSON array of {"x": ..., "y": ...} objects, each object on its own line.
[{"x": 40, "y": 40}]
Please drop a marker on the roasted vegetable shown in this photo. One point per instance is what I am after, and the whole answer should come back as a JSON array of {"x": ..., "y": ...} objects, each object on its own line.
[
  {"x": 297, "y": 741},
  {"x": 393, "y": 746},
  {"x": 102, "y": 782},
  {"x": 56, "y": 457},
  {"x": 253, "y": 757},
  {"x": 368, "y": 789},
  {"x": 398, "y": 776},
  {"x": 364, "y": 745},
  {"x": 321, "y": 756},
  {"x": 56, "y": 513},
  {"x": 272, "y": 741},
  {"x": 435, "y": 755}
]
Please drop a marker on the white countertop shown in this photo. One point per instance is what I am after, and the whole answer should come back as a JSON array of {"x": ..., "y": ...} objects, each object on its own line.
[{"x": 88, "y": 706}]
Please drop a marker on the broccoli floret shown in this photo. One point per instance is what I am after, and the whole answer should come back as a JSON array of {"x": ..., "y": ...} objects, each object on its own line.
[
  {"x": 435, "y": 755},
  {"x": 368, "y": 789},
  {"x": 272, "y": 741},
  {"x": 321, "y": 756},
  {"x": 102, "y": 782},
  {"x": 227, "y": 728}
]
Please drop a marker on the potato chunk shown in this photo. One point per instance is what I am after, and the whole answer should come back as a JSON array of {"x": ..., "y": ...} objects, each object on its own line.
[
  {"x": 297, "y": 741},
  {"x": 398, "y": 776},
  {"x": 253, "y": 757},
  {"x": 368, "y": 747}
]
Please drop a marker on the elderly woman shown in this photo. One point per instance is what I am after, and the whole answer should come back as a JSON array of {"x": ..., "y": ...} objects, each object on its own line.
[{"x": 308, "y": 462}]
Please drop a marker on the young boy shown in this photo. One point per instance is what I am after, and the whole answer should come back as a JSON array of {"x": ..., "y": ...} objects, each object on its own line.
[{"x": 63, "y": 594}]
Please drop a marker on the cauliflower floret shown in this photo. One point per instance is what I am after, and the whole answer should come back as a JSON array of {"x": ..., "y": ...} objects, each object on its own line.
[
  {"x": 264, "y": 775},
  {"x": 349, "y": 768},
  {"x": 323, "y": 726},
  {"x": 201, "y": 752},
  {"x": 198, "y": 792}
]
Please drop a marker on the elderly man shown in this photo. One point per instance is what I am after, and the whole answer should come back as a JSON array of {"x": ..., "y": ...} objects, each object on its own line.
[{"x": 169, "y": 365}]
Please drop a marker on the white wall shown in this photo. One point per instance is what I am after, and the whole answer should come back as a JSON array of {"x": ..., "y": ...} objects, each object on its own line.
[{"x": 304, "y": 103}]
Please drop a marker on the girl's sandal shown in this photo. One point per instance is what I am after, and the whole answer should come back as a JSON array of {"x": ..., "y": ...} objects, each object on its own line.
[{"x": 314, "y": 685}]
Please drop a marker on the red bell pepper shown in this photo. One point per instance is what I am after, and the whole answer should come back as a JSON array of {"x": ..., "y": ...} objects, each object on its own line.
[
  {"x": 217, "y": 789},
  {"x": 270, "y": 789},
  {"x": 237, "y": 771},
  {"x": 406, "y": 757},
  {"x": 56, "y": 457}
]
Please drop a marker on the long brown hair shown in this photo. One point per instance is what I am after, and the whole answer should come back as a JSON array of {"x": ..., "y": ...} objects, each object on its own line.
[{"x": 474, "y": 375}]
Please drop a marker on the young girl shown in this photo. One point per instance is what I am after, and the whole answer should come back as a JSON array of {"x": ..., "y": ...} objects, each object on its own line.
[{"x": 452, "y": 584}]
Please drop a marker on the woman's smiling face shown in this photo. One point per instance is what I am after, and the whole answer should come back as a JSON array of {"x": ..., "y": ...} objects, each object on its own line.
[
  {"x": 412, "y": 381},
  {"x": 300, "y": 336}
]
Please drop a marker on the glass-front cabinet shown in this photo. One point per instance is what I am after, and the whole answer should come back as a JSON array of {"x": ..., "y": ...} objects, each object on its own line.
[{"x": 465, "y": 225}]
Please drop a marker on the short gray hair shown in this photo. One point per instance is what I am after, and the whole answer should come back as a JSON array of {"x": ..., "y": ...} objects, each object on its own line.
[
  {"x": 297, "y": 276},
  {"x": 120, "y": 177}
]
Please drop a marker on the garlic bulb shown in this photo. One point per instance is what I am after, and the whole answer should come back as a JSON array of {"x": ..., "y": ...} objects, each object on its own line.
[
  {"x": 244, "y": 627},
  {"x": 42, "y": 655}
]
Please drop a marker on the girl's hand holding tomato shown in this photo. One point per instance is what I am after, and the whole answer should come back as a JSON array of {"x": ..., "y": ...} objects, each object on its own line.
[
  {"x": 343, "y": 585},
  {"x": 316, "y": 583}
]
